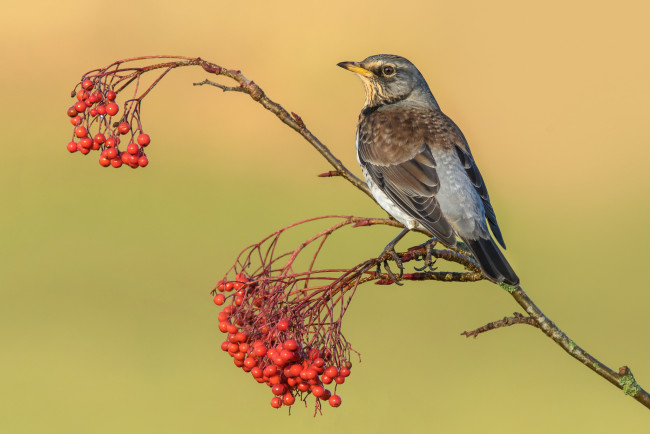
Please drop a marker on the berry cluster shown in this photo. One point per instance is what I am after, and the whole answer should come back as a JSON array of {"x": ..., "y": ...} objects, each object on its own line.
[
  {"x": 97, "y": 126},
  {"x": 270, "y": 336}
]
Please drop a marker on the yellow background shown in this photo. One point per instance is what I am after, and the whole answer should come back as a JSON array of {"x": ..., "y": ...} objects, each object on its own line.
[{"x": 106, "y": 321}]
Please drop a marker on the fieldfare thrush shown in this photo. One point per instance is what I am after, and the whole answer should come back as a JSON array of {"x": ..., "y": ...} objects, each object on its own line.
[{"x": 418, "y": 164}]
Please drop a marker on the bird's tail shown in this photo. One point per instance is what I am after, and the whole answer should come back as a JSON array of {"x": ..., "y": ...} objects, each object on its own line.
[{"x": 492, "y": 262}]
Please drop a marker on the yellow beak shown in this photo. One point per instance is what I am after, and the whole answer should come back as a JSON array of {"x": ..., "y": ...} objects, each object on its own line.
[{"x": 356, "y": 67}]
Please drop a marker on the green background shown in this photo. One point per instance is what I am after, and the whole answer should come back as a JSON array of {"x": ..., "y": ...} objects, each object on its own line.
[{"x": 106, "y": 321}]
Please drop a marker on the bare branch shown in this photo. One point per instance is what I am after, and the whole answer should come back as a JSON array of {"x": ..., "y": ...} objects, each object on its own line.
[{"x": 505, "y": 322}]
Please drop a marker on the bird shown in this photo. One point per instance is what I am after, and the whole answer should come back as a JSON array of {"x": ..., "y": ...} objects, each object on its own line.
[{"x": 419, "y": 167}]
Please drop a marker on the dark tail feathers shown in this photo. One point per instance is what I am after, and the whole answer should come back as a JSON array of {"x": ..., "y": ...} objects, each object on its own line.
[{"x": 492, "y": 262}]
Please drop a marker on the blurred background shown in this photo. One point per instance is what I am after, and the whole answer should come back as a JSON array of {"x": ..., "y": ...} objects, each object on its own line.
[{"x": 106, "y": 320}]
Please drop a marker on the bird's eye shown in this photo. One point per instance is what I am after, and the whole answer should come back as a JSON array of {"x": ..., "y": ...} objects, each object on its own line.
[{"x": 388, "y": 70}]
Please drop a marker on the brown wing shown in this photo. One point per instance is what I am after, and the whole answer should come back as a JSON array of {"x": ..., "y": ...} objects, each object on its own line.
[{"x": 393, "y": 147}]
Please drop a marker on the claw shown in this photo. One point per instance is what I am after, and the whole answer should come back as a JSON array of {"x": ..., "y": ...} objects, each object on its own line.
[
  {"x": 428, "y": 263},
  {"x": 390, "y": 249}
]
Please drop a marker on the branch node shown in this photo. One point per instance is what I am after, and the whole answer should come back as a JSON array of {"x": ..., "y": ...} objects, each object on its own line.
[
  {"x": 627, "y": 381},
  {"x": 298, "y": 119},
  {"x": 330, "y": 174}
]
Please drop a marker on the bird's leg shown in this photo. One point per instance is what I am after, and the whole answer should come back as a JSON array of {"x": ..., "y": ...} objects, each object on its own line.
[
  {"x": 390, "y": 249},
  {"x": 428, "y": 263}
]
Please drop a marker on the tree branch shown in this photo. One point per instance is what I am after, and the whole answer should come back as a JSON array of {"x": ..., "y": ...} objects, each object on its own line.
[{"x": 623, "y": 379}]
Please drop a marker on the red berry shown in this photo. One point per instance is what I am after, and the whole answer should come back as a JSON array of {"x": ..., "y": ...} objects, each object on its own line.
[
  {"x": 291, "y": 345},
  {"x": 75, "y": 120},
  {"x": 84, "y": 150},
  {"x": 123, "y": 128},
  {"x": 82, "y": 95},
  {"x": 110, "y": 95},
  {"x": 80, "y": 132},
  {"x": 331, "y": 371},
  {"x": 283, "y": 325},
  {"x": 99, "y": 138},
  {"x": 88, "y": 102},
  {"x": 295, "y": 370},
  {"x": 111, "y": 142},
  {"x": 319, "y": 362},
  {"x": 276, "y": 402},
  {"x": 72, "y": 112},
  {"x": 325, "y": 379},
  {"x": 80, "y": 107},
  {"x": 339, "y": 380},
  {"x": 144, "y": 140},
  {"x": 104, "y": 162},
  {"x": 85, "y": 143},
  {"x": 111, "y": 153},
  {"x": 270, "y": 371},
  {"x": 326, "y": 396},
  {"x": 101, "y": 110},
  {"x": 218, "y": 299},
  {"x": 132, "y": 149},
  {"x": 303, "y": 387},
  {"x": 318, "y": 391},
  {"x": 87, "y": 84},
  {"x": 116, "y": 162},
  {"x": 259, "y": 350},
  {"x": 288, "y": 399},
  {"x": 335, "y": 400},
  {"x": 239, "y": 356},
  {"x": 256, "y": 371},
  {"x": 224, "y": 345},
  {"x": 93, "y": 112},
  {"x": 112, "y": 109},
  {"x": 72, "y": 147},
  {"x": 143, "y": 162},
  {"x": 124, "y": 156},
  {"x": 249, "y": 362},
  {"x": 223, "y": 326},
  {"x": 279, "y": 389},
  {"x": 344, "y": 372}
]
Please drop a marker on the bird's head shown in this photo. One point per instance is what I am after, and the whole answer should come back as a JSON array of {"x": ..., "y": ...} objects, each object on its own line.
[{"x": 389, "y": 79}]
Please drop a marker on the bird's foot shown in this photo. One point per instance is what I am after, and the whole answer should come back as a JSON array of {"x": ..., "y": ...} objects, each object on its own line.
[
  {"x": 390, "y": 250},
  {"x": 428, "y": 262}
]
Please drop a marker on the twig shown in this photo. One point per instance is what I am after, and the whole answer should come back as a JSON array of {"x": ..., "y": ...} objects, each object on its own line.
[{"x": 505, "y": 322}]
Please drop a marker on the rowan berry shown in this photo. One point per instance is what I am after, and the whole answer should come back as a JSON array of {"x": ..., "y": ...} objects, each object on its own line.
[
  {"x": 288, "y": 399},
  {"x": 219, "y": 298},
  {"x": 112, "y": 109},
  {"x": 123, "y": 128},
  {"x": 144, "y": 140},
  {"x": 80, "y": 132},
  {"x": 335, "y": 400}
]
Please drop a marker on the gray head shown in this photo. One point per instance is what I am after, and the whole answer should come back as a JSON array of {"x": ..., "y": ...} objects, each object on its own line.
[{"x": 389, "y": 79}]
